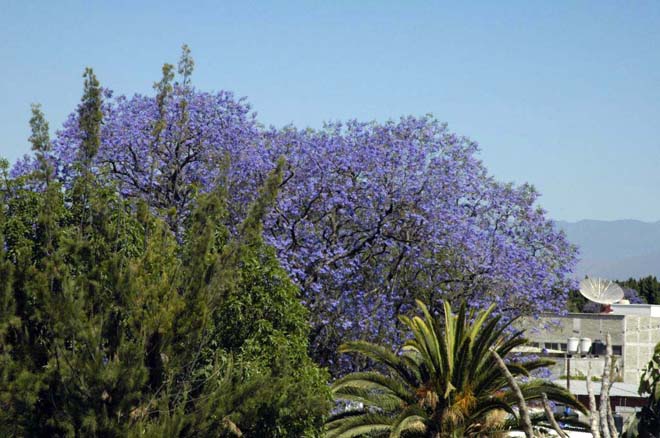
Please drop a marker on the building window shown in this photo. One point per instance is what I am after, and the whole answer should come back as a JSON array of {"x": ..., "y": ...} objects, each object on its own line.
[
  {"x": 617, "y": 350},
  {"x": 563, "y": 347},
  {"x": 552, "y": 345}
]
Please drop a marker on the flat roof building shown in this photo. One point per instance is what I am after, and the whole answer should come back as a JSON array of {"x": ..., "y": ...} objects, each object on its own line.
[{"x": 634, "y": 330}]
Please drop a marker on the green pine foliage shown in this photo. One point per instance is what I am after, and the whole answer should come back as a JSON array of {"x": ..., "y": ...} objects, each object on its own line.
[
  {"x": 113, "y": 326},
  {"x": 648, "y": 288},
  {"x": 575, "y": 302}
]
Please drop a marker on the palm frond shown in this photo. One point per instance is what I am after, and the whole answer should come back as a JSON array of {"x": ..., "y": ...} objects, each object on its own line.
[
  {"x": 384, "y": 401},
  {"x": 533, "y": 391},
  {"x": 368, "y": 424},
  {"x": 412, "y": 420},
  {"x": 382, "y": 355},
  {"x": 444, "y": 378},
  {"x": 378, "y": 382},
  {"x": 483, "y": 407}
]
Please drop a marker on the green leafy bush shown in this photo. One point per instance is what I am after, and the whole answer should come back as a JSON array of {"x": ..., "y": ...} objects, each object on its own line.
[{"x": 112, "y": 326}]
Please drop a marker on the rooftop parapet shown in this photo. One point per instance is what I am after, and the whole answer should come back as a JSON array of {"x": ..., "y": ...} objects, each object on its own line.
[{"x": 649, "y": 310}]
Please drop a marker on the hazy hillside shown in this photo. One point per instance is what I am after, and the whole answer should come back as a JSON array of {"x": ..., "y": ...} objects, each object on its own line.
[{"x": 616, "y": 249}]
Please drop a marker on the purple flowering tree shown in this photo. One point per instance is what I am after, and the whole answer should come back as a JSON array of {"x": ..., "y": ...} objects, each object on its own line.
[
  {"x": 370, "y": 216},
  {"x": 375, "y": 215},
  {"x": 166, "y": 163}
]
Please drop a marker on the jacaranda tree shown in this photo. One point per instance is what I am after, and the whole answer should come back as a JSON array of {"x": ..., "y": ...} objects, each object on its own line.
[{"x": 370, "y": 216}]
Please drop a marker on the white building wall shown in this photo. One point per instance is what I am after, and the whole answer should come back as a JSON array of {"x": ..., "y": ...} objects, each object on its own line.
[{"x": 633, "y": 328}]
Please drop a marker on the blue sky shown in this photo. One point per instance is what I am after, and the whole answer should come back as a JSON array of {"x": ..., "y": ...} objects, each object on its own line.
[{"x": 564, "y": 95}]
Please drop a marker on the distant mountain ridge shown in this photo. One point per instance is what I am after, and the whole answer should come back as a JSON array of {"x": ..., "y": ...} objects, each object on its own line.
[{"x": 615, "y": 249}]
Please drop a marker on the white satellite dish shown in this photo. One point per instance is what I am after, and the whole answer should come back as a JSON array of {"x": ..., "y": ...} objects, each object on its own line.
[{"x": 601, "y": 291}]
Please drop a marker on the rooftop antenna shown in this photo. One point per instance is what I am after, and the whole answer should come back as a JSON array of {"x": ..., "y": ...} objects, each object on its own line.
[{"x": 601, "y": 291}]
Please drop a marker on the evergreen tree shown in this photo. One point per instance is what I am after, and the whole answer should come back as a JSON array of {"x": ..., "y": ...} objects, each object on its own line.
[
  {"x": 90, "y": 116},
  {"x": 648, "y": 288},
  {"x": 111, "y": 326},
  {"x": 40, "y": 140}
]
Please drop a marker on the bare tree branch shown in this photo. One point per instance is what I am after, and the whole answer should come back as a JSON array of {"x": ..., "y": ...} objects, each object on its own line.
[
  {"x": 522, "y": 406},
  {"x": 594, "y": 422},
  {"x": 610, "y": 414},
  {"x": 604, "y": 390},
  {"x": 551, "y": 417}
]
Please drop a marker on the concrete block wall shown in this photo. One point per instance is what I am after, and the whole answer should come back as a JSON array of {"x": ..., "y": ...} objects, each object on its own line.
[
  {"x": 637, "y": 335},
  {"x": 558, "y": 329},
  {"x": 641, "y": 335},
  {"x": 580, "y": 366}
]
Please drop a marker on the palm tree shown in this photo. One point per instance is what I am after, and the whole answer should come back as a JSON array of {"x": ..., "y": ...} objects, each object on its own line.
[{"x": 444, "y": 383}]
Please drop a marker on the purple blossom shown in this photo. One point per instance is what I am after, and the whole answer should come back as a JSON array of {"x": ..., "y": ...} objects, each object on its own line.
[{"x": 370, "y": 216}]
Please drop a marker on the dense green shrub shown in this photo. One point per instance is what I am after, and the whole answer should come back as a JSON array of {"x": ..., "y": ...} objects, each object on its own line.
[{"x": 111, "y": 325}]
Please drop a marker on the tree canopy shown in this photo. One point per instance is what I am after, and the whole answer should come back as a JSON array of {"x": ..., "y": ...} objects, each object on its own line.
[
  {"x": 113, "y": 325},
  {"x": 368, "y": 218}
]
